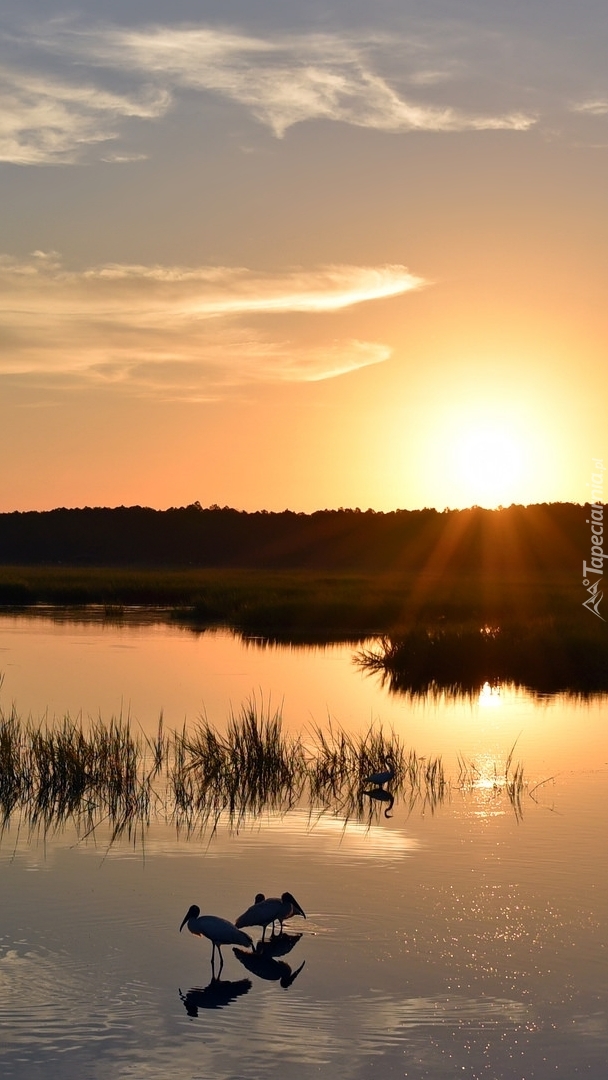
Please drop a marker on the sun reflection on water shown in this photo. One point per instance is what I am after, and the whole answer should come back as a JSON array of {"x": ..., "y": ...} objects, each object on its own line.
[{"x": 489, "y": 696}]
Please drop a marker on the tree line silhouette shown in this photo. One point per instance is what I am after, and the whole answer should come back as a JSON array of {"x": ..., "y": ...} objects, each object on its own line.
[{"x": 547, "y": 537}]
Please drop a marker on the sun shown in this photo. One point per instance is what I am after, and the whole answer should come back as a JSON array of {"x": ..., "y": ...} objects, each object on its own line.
[
  {"x": 487, "y": 464},
  {"x": 476, "y": 444}
]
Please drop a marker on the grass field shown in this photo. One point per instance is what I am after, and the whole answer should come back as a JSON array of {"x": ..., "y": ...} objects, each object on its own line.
[{"x": 302, "y": 602}]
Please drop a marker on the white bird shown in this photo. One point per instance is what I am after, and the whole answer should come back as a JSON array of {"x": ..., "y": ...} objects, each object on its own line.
[
  {"x": 270, "y": 909},
  {"x": 219, "y": 931}
]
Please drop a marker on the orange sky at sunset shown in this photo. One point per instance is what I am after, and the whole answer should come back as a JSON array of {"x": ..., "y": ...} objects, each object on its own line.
[{"x": 282, "y": 257}]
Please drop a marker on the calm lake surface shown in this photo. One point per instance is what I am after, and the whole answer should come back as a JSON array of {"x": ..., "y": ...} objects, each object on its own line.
[{"x": 468, "y": 941}]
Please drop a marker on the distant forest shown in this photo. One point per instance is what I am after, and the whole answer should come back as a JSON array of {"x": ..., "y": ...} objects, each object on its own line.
[{"x": 545, "y": 537}]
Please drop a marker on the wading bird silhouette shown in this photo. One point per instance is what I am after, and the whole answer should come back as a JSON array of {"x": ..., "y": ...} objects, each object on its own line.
[
  {"x": 385, "y": 777},
  {"x": 219, "y": 931},
  {"x": 270, "y": 909}
]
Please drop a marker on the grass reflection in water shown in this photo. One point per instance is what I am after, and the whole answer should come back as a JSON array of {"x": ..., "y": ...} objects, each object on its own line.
[
  {"x": 547, "y": 656},
  {"x": 52, "y": 773}
]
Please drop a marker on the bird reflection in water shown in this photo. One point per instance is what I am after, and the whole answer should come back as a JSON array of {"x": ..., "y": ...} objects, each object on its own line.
[
  {"x": 263, "y": 963},
  {"x": 277, "y": 945},
  {"x": 380, "y": 795},
  {"x": 217, "y": 995}
]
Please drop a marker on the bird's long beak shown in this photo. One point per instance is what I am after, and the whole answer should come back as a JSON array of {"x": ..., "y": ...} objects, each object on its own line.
[
  {"x": 297, "y": 910},
  {"x": 184, "y": 921}
]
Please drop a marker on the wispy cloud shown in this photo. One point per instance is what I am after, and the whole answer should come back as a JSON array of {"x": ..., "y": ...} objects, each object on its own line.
[
  {"x": 286, "y": 79},
  {"x": 177, "y": 331},
  {"x": 280, "y": 80},
  {"x": 593, "y": 107},
  {"x": 46, "y": 120}
]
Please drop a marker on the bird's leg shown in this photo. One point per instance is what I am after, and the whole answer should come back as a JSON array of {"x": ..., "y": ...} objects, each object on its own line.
[{"x": 221, "y": 961}]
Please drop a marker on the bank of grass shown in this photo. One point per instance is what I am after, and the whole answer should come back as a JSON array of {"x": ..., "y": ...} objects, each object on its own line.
[
  {"x": 301, "y": 603},
  {"x": 546, "y": 655},
  {"x": 89, "y": 774}
]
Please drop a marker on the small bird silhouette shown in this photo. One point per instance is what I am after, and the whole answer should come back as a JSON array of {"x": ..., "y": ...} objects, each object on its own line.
[{"x": 219, "y": 931}]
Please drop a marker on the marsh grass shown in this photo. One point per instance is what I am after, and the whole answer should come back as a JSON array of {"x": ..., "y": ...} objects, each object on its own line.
[
  {"x": 253, "y": 767},
  {"x": 53, "y": 773},
  {"x": 545, "y": 655},
  {"x": 307, "y": 604},
  {"x": 339, "y": 762},
  {"x": 89, "y": 774},
  {"x": 273, "y": 602}
]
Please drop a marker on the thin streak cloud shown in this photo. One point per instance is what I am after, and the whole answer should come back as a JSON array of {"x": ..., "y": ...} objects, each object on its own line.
[
  {"x": 178, "y": 330},
  {"x": 159, "y": 292},
  {"x": 594, "y": 107}
]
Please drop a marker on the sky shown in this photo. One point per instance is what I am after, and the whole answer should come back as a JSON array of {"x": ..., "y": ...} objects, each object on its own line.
[{"x": 274, "y": 255}]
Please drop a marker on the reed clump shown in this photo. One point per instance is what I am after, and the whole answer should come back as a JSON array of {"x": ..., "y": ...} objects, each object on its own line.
[
  {"x": 13, "y": 777},
  {"x": 53, "y": 772},
  {"x": 253, "y": 767}
]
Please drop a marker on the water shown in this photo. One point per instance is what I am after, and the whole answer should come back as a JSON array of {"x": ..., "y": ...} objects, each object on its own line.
[
  {"x": 465, "y": 942},
  {"x": 144, "y": 666}
]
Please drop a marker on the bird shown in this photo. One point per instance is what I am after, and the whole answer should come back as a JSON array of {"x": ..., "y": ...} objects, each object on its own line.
[
  {"x": 270, "y": 909},
  {"x": 219, "y": 931},
  {"x": 385, "y": 777}
]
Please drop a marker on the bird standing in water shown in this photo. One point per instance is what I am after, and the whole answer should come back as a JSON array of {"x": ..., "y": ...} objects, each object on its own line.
[
  {"x": 270, "y": 909},
  {"x": 385, "y": 777},
  {"x": 218, "y": 931}
]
